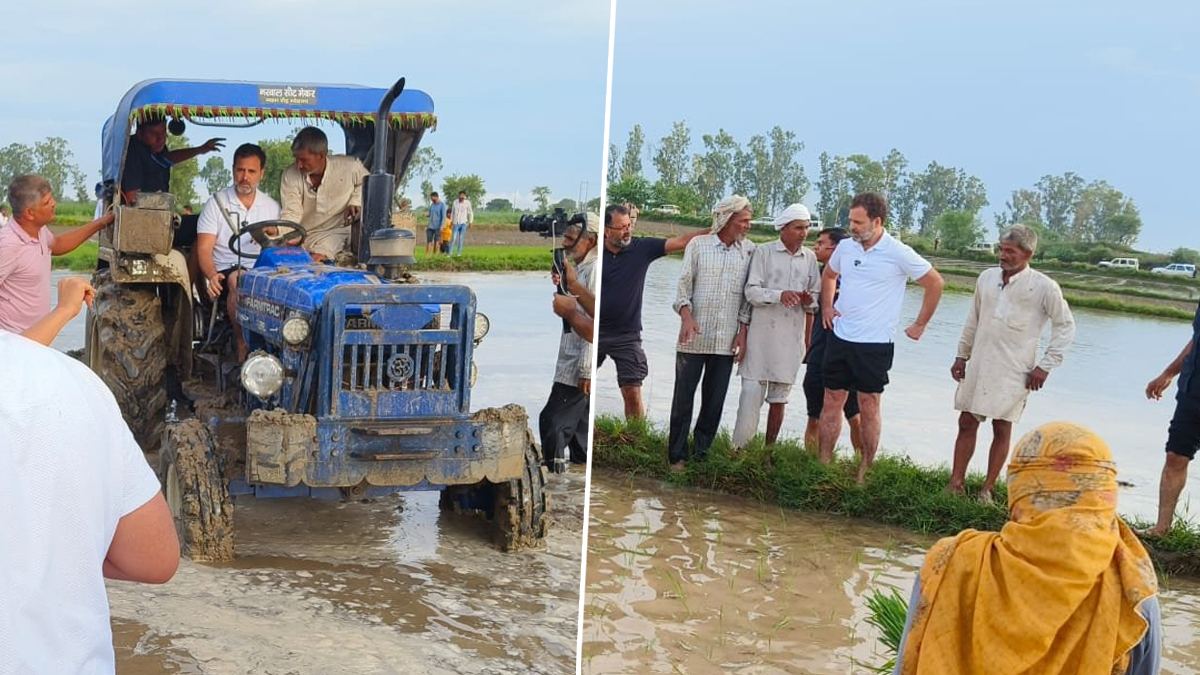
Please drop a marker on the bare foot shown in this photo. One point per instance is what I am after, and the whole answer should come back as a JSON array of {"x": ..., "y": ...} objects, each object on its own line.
[
  {"x": 1155, "y": 532},
  {"x": 956, "y": 489},
  {"x": 985, "y": 497},
  {"x": 861, "y": 479},
  {"x": 676, "y": 467}
]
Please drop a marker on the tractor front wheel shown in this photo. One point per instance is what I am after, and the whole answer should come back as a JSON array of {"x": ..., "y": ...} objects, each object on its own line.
[
  {"x": 196, "y": 492},
  {"x": 521, "y": 504}
]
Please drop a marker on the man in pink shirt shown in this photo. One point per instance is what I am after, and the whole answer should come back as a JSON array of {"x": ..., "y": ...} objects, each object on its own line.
[{"x": 26, "y": 245}]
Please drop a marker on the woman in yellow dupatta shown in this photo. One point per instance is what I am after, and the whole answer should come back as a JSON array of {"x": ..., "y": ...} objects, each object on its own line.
[{"x": 1062, "y": 588}]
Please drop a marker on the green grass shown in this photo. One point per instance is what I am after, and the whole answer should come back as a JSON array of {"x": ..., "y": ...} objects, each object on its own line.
[
  {"x": 82, "y": 259},
  {"x": 898, "y": 492},
  {"x": 1106, "y": 304},
  {"x": 490, "y": 259}
]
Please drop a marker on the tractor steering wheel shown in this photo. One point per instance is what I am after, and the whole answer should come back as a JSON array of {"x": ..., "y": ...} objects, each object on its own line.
[{"x": 294, "y": 236}]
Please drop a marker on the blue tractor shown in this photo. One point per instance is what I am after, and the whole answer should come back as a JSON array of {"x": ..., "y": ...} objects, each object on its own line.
[{"x": 359, "y": 379}]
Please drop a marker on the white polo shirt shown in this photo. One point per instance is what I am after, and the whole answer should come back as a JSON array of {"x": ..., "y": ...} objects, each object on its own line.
[
  {"x": 72, "y": 470},
  {"x": 872, "y": 287},
  {"x": 213, "y": 221}
]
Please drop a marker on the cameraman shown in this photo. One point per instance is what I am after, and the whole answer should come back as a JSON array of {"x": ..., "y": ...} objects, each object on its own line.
[{"x": 563, "y": 423}]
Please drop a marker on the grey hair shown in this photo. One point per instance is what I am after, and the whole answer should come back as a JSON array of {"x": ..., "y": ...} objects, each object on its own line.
[
  {"x": 1024, "y": 237},
  {"x": 26, "y": 191},
  {"x": 311, "y": 139},
  {"x": 589, "y": 234}
]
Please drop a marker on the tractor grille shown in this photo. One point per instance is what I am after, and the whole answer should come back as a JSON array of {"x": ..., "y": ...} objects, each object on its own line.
[{"x": 409, "y": 367}]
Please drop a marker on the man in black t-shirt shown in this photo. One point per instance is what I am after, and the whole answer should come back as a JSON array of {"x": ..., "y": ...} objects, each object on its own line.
[
  {"x": 148, "y": 162},
  {"x": 623, "y": 280},
  {"x": 814, "y": 383}
]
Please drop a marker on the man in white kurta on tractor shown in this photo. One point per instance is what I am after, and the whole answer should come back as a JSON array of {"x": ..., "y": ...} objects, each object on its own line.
[{"x": 1000, "y": 339}]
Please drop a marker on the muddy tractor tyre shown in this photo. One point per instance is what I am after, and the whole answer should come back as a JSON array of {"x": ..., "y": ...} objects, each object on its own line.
[
  {"x": 126, "y": 347},
  {"x": 196, "y": 492},
  {"x": 521, "y": 505}
]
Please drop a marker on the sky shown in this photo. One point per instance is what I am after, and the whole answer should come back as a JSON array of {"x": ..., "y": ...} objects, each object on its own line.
[
  {"x": 518, "y": 85},
  {"x": 1009, "y": 91}
]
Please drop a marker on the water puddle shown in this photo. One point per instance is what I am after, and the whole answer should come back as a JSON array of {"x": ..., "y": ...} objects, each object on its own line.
[{"x": 681, "y": 580}]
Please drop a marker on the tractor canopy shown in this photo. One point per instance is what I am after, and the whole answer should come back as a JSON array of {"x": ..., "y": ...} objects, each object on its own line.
[{"x": 244, "y": 104}]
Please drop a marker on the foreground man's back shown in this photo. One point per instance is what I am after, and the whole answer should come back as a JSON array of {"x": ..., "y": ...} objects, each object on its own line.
[{"x": 79, "y": 503}]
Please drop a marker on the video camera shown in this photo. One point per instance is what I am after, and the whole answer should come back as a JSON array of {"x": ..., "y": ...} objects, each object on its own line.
[{"x": 550, "y": 224}]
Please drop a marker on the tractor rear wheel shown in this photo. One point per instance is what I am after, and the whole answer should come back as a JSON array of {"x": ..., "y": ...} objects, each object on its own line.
[
  {"x": 521, "y": 504},
  {"x": 126, "y": 347},
  {"x": 196, "y": 492}
]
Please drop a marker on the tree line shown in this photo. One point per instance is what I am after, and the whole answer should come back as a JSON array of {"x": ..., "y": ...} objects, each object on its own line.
[{"x": 936, "y": 202}]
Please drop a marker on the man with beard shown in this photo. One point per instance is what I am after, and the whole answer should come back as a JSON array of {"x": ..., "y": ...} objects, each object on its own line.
[
  {"x": 1000, "y": 338},
  {"x": 623, "y": 279},
  {"x": 563, "y": 423},
  {"x": 781, "y": 292},
  {"x": 709, "y": 301},
  {"x": 873, "y": 268},
  {"x": 222, "y": 216}
]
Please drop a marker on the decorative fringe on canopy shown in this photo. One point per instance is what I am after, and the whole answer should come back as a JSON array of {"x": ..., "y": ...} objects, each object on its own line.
[{"x": 229, "y": 114}]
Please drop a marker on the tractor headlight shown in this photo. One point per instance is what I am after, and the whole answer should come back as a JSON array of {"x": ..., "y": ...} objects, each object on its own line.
[
  {"x": 262, "y": 375},
  {"x": 482, "y": 326},
  {"x": 295, "y": 330}
]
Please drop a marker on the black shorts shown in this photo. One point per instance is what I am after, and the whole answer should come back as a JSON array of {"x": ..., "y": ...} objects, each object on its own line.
[
  {"x": 814, "y": 394},
  {"x": 862, "y": 366},
  {"x": 225, "y": 284},
  {"x": 626, "y": 352},
  {"x": 1183, "y": 435},
  {"x": 433, "y": 236}
]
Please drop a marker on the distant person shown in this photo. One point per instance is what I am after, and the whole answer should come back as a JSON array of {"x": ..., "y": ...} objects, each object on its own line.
[
  {"x": 462, "y": 217},
  {"x": 447, "y": 235},
  {"x": 148, "y": 162},
  {"x": 433, "y": 229},
  {"x": 999, "y": 342},
  {"x": 81, "y": 505},
  {"x": 26, "y": 248},
  {"x": 1183, "y": 433},
  {"x": 322, "y": 192},
  {"x": 564, "y": 423},
  {"x": 187, "y": 209},
  {"x": 873, "y": 268},
  {"x": 632, "y": 209},
  {"x": 222, "y": 216},
  {"x": 709, "y": 302},
  {"x": 1065, "y": 587},
  {"x": 814, "y": 380},
  {"x": 5, "y": 214},
  {"x": 782, "y": 288}
]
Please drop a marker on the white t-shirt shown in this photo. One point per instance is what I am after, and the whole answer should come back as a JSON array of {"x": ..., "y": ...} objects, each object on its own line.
[
  {"x": 872, "y": 287},
  {"x": 71, "y": 470},
  {"x": 212, "y": 221}
]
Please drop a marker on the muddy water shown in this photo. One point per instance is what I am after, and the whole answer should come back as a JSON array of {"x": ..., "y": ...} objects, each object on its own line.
[
  {"x": 1101, "y": 384},
  {"x": 390, "y": 586},
  {"x": 680, "y": 580}
]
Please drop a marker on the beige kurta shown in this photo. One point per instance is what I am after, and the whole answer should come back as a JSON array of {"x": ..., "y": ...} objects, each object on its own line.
[
  {"x": 775, "y": 337},
  {"x": 1000, "y": 341},
  {"x": 323, "y": 213}
]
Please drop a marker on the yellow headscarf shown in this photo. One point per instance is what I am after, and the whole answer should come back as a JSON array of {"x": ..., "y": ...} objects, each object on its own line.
[{"x": 1057, "y": 590}]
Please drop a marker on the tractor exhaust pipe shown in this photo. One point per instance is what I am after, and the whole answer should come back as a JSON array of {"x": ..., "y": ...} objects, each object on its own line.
[{"x": 378, "y": 187}]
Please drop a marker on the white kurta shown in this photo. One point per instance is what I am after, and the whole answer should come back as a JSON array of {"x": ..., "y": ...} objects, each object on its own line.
[
  {"x": 1000, "y": 341},
  {"x": 775, "y": 338}
]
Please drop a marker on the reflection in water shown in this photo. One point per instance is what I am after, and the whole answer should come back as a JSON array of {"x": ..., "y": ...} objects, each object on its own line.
[
  {"x": 680, "y": 580},
  {"x": 1101, "y": 385}
]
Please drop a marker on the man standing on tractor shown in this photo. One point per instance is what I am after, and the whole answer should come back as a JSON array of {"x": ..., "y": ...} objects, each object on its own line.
[
  {"x": 26, "y": 245},
  {"x": 322, "y": 193},
  {"x": 225, "y": 213},
  {"x": 148, "y": 162}
]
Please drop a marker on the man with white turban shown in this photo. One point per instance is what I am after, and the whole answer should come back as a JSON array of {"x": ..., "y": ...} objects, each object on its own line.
[
  {"x": 781, "y": 294},
  {"x": 709, "y": 302}
]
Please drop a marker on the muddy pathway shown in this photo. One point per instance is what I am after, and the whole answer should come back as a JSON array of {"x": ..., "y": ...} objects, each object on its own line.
[
  {"x": 681, "y": 580},
  {"x": 390, "y": 586}
]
